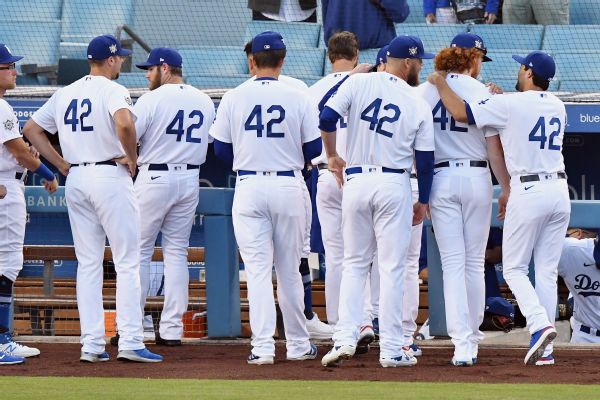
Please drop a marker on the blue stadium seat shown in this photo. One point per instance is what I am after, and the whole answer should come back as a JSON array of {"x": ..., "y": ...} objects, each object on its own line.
[
  {"x": 502, "y": 67},
  {"x": 580, "y": 85},
  {"x": 571, "y": 38},
  {"x": 216, "y": 81},
  {"x": 84, "y": 19},
  {"x": 416, "y": 13},
  {"x": 133, "y": 79},
  {"x": 495, "y": 37},
  {"x": 73, "y": 50},
  {"x": 31, "y": 9},
  {"x": 584, "y": 12},
  {"x": 574, "y": 66},
  {"x": 214, "y": 60},
  {"x": 435, "y": 37},
  {"x": 304, "y": 62},
  {"x": 37, "y": 41},
  {"x": 295, "y": 34}
]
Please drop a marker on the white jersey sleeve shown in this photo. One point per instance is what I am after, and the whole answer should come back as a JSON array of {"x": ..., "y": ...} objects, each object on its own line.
[
  {"x": 340, "y": 101},
  {"x": 221, "y": 129},
  {"x": 143, "y": 112},
  {"x": 424, "y": 138},
  {"x": 44, "y": 116},
  {"x": 117, "y": 99},
  {"x": 9, "y": 130},
  {"x": 492, "y": 112},
  {"x": 310, "y": 122}
]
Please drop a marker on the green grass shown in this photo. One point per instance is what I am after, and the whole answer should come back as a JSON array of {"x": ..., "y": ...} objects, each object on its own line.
[{"x": 48, "y": 388}]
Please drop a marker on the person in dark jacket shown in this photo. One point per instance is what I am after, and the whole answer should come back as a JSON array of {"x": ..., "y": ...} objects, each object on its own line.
[
  {"x": 371, "y": 20},
  {"x": 284, "y": 10}
]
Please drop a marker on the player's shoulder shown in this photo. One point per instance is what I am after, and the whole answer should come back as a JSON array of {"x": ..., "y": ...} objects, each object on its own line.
[
  {"x": 294, "y": 82},
  {"x": 5, "y": 107},
  {"x": 326, "y": 83}
]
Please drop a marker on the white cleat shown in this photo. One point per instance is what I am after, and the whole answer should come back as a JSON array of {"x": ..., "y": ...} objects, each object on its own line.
[
  {"x": 318, "y": 329},
  {"x": 9, "y": 346},
  {"x": 337, "y": 354},
  {"x": 403, "y": 360}
]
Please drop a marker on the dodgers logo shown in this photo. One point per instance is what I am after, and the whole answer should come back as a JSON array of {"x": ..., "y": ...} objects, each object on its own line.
[
  {"x": 413, "y": 51},
  {"x": 112, "y": 48},
  {"x": 482, "y": 102},
  {"x": 587, "y": 285}
]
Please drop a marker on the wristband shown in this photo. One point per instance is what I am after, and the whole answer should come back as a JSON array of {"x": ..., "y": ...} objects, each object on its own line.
[{"x": 44, "y": 172}]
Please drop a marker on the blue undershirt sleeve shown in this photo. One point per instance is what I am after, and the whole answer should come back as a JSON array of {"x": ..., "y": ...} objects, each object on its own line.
[
  {"x": 330, "y": 93},
  {"x": 312, "y": 149},
  {"x": 224, "y": 151},
  {"x": 328, "y": 120},
  {"x": 424, "y": 164}
]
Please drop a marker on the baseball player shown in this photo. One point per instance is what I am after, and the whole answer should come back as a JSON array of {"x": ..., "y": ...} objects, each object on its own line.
[
  {"x": 15, "y": 159},
  {"x": 172, "y": 128},
  {"x": 95, "y": 123},
  {"x": 531, "y": 125},
  {"x": 579, "y": 268},
  {"x": 316, "y": 328},
  {"x": 387, "y": 122},
  {"x": 461, "y": 195},
  {"x": 268, "y": 130}
]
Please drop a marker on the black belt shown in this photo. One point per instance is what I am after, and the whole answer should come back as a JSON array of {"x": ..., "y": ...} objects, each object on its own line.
[
  {"x": 109, "y": 162},
  {"x": 165, "y": 167},
  {"x": 322, "y": 166},
  {"x": 536, "y": 177},
  {"x": 588, "y": 330},
  {"x": 413, "y": 176},
  {"x": 482, "y": 164},
  {"x": 359, "y": 170},
  {"x": 278, "y": 173},
  {"x": 19, "y": 175}
]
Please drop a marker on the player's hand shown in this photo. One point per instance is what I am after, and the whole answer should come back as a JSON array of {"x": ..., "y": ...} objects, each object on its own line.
[
  {"x": 489, "y": 18},
  {"x": 64, "y": 168},
  {"x": 336, "y": 166},
  {"x": 51, "y": 186},
  {"x": 502, "y": 201},
  {"x": 437, "y": 76},
  {"x": 3, "y": 191},
  {"x": 361, "y": 69},
  {"x": 131, "y": 165},
  {"x": 33, "y": 151},
  {"x": 493, "y": 88},
  {"x": 430, "y": 18},
  {"x": 419, "y": 210}
]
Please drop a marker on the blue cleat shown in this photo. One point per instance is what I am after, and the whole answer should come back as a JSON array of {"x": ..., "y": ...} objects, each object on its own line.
[
  {"x": 141, "y": 355},
  {"x": 7, "y": 359},
  {"x": 548, "y": 360},
  {"x": 539, "y": 341},
  {"x": 93, "y": 357},
  {"x": 310, "y": 355},
  {"x": 414, "y": 350}
]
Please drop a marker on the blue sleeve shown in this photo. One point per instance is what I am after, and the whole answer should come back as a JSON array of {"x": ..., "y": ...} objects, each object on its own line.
[
  {"x": 224, "y": 151},
  {"x": 470, "y": 117},
  {"x": 429, "y": 7},
  {"x": 330, "y": 93},
  {"x": 328, "y": 120},
  {"x": 44, "y": 172},
  {"x": 597, "y": 251},
  {"x": 312, "y": 149},
  {"x": 396, "y": 10},
  {"x": 492, "y": 6},
  {"x": 424, "y": 165}
]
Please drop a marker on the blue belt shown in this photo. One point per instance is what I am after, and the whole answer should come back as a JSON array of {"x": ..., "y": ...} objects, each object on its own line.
[
  {"x": 359, "y": 170},
  {"x": 278, "y": 173},
  {"x": 588, "y": 330}
]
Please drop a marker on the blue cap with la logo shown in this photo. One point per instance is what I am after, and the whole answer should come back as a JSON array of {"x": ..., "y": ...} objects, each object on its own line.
[{"x": 407, "y": 47}]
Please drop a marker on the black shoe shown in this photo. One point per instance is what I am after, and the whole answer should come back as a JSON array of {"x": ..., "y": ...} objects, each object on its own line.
[
  {"x": 114, "y": 341},
  {"x": 167, "y": 342}
]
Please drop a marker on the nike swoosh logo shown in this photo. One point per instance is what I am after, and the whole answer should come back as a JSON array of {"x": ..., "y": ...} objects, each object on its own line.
[
  {"x": 529, "y": 187},
  {"x": 435, "y": 172},
  {"x": 352, "y": 177},
  {"x": 242, "y": 179},
  {"x": 588, "y": 265},
  {"x": 154, "y": 177}
]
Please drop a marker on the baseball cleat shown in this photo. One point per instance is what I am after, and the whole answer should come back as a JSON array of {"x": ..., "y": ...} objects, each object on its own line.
[
  {"x": 141, "y": 355},
  {"x": 548, "y": 360},
  {"x": 337, "y": 354},
  {"x": 9, "y": 346},
  {"x": 318, "y": 329},
  {"x": 259, "y": 360},
  {"x": 93, "y": 357},
  {"x": 414, "y": 350},
  {"x": 365, "y": 337},
  {"x": 7, "y": 359},
  {"x": 310, "y": 355},
  {"x": 166, "y": 342},
  {"x": 461, "y": 363},
  {"x": 376, "y": 326},
  {"x": 539, "y": 341},
  {"x": 405, "y": 359}
]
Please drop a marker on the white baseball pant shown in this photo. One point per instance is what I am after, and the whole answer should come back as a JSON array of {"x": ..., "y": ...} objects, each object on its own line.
[
  {"x": 269, "y": 221},
  {"x": 12, "y": 226},
  {"x": 101, "y": 203},
  {"x": 308, "y": 211},
  {"x": 167, "y": 202},
  {"x": 582, "y": 337},
  {"x": 461, "y": 207}
]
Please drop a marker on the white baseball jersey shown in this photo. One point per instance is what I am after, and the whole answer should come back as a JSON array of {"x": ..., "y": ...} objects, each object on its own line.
[
  {"x": 316, "y": 93},
  {"x": 270, "y": 129},
  {"x": 288, "y": 80},
  {"x": 85, "y": 126},
  {"x": 456, "y": 140},
  {"x": 387, "y": 119},
  {"x": 9, "y": 130},
  {"x": 578, "y": 269},
  {"x": 531, "y": 126},
  {"x": 172, "y": 125}
]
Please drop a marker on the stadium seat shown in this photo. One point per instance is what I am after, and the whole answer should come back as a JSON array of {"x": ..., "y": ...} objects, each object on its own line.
[
  {"x": 295, "y": 34},
  {"x": 497, "y": 37},
  {"x": 73, "y": 50},
  {"x": 574, "y": 66},
  {"x": 416, "y": 15},
  {"x": 84, "y": 19},
  {"x": 580, "y": 86},
  {"x": 584, "y": 12},
  {"x": 133, "y": 79},
  {"x": 502, "y": 67},
  {"x": 36, "y": 40},
  {"x": 216, "y": 81},
  {"x": 214, "y": 60},
  {"x": 435, "y": 37},
  {"x": 304, "y": 62},
  {"x": 32, "y": 9},
  {"x": 571, "y": 38}
]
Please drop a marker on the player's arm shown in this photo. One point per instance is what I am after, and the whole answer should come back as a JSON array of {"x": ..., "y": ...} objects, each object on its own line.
[
  {"x": 453, "y": 103},
  {"x": 498, "y": 165},
  {"x": 312, "y": 145},
  {"x": 38, "y": 139},
  {"x": 220, "y": 131},
  {"x": 359, "y": 69},
  {"x": 19, "y": 149},
  {"x": 125, "y": 126},
  {"x": 424, "y": 161}
]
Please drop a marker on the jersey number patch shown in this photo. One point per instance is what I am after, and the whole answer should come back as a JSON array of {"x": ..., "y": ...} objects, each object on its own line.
[
  {"x": 371, "y": 115},
  {"x": 256, "y": 115},
  {"x": 71, "y": 115},
  {"x": 443, "y": 119},
  {"x": 176, "y": 126},
  {"x": 542, "y": 138}
]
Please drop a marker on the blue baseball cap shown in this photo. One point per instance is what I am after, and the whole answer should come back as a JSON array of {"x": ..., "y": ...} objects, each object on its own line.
[
  {"x": 470, "y": 41},
  {"x": 160, "y": 56},
  {"x": 6, "y": 56},
  {"x": 499, "y": 306},
  {"x": 381, "y": 57},
  {"x": 267, "y": 41},
  {"x": 407, "y": 47},
  {"x": 542, "y": 64},
  {"x": 102, "y": 47}
]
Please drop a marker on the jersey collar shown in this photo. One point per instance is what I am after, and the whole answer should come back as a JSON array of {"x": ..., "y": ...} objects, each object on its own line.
[{"x": 266, "y": 78}]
